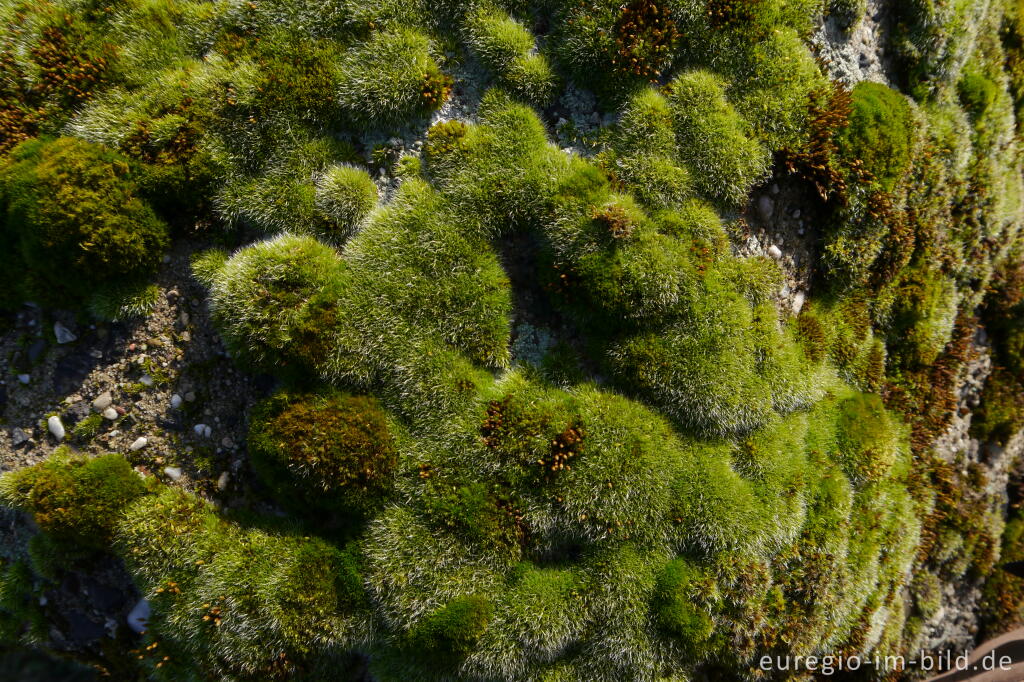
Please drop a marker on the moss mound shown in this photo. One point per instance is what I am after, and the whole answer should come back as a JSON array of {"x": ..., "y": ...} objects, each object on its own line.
[
  {"x": 332, "y": 452},
  {"x": 72, "y": 215},
  {"x": 73, "y": 499}
]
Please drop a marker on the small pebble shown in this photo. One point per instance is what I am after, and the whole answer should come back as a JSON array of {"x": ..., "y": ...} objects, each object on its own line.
[
  {"x": 24, "y": 378},
  {"x": 18, "y": 436},
  {"x": 173, "y": 473},
  {"x": 96, "y": 354},
  {"x": 146, "y": 380},
  {"x": 775, "y": 252},
  {"x": 102, "y": 401},
  {"x": 138, "y": 444},
  {"x": 222, "y": 480},
  {"x": 110, "y": 413},
  {"x": 175, "y": 401},
  {"x": 63, "y": 334},
  {"x": 138, "y": 617},
  {"x": 56, "y": 427},
  {"x": 190, "y": 396},
  {"x": 798, "y": 302},
  {"x": 202, "y": 430}
]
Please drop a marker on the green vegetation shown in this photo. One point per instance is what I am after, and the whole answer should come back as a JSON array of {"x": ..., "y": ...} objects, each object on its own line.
[
  {"x": 347, "y": 195},
  {"x": 541, "y": 416},
  {"x": 332, "y": 453},
  {"x": 713, "y": 139},
  {"x": 72, "y": 214},
  {"x": 389, "y": 78},
  {"x": 74, "y": 500},
  {"x": 506, "y": 47},
  {"x": 879, "y": 134}
]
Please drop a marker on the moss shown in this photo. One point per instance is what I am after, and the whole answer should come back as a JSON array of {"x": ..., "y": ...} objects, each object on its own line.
[
  {"x": 260, "y": 294},
  {"x": 346, "y": 195},
  {"x": 87, "y": 428},
  {"x": 450, "y": 632},
  {"x": 645, "y": 38},
  {"x": 713, "y": 139},
  {"x": 1001, "y": 413},
  {"x": 73, "y": 214},
  {"x": 848, "y": 12},
  {"x": 74, "y": 499},
  {"x": 977, "y": 93},
  {"x": 927, "y": 591},
  {"x": 922, "y": 319},
  {"x": 506, "y": 47},
  {"x": 21, "y": 618},
  {"x": 331, "y": 452},
  {"x": 879, "y": 134},
  {"x": 474, "y": 511},
  {"x": 390, "y": 78},
  {"x": 869, "y": 438},
  {"x": 238, "y": 601},
  {"x": 675, "y": 611}
]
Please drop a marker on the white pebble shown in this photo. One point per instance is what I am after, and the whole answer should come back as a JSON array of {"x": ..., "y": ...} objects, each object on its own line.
[
  {"x": 173, "y": 473},
  {"x": 102, "y": 401},
  {"x": 63, "y": 334},
  {"x": 138, "y": 617},
  {"x": 139, "y": 443},
  {"x": 798, "y": 302},
  {"x": 110, "y": 413},
  {"x": 775, "y": 252},
  {"x": 146, "y": 380},
  {"x": 175, "y": 401},
  {"x": 56, "y": 427},
  {"x": 24, "y": 378},
  {"x": 202, "y": 430},
  {"x": 222, "y": 480}
]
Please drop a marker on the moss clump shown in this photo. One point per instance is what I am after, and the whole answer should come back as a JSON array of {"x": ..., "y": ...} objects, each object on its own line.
[
  {"x": 260, "y": 296},
  {"x": 879, "y": 134},
  {"x": 87, "y": 428},
  {"x": 450, "y": 632},
  {"x": 713, "y": 140},
  {"x": 474, "y": 512},
  {"x": 674, "y": 608},
  {"x": 391, "y": 78},
  {"x": 868, "y": 438},
  {"x": 848, "y": 12},
  {"x": 234, "y": 601},
  {"x": 76, "y": 500},
  {"x": 977, "y": 93},
  {"x": 506, "y": 48},
  {"x": 331, "y": 452},
  {"x": 72, "y": 215},
  {"x": 346, "y": 195},
  {"x": 645, "y": 38}
]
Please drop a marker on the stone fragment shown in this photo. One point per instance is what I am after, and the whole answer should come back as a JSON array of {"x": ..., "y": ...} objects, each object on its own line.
[
  {"x": 56, "y": 427},
  {"x": 63, "y": 334}
]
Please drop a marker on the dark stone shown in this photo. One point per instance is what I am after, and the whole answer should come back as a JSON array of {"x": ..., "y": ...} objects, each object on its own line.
[
  {"x": 83, "y": 630},
  {"x": 3, "y": 396},
  {"x": 78, "y": 411},
  {"x": 105, "y": 598},
  {"x": 36, "y": 350},
  {"x": 169, "y": 424},
  {"x": 71, "y": 371}
]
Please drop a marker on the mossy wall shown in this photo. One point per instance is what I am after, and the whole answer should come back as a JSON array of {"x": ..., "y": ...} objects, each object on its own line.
[{"x": 704, "y": 478}]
